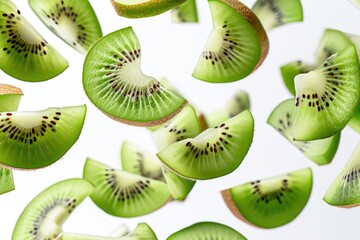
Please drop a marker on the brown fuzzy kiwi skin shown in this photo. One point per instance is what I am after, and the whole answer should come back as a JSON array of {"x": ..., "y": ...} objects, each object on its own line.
[
  {"x": 202, "y": 122},
  {"x": 255, "y": 23},
  {"x": 148, "y": 124},
  {"x": 6, "y": 89}
]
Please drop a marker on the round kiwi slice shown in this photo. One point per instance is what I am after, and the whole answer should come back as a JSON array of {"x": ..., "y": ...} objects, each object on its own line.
[
  {"x": 45, "y": 214},
  {"x": 114, "y": 82},
  {"x": 272, "y": 202},
  {"x": 214, "y": 152},
  {"x": 320, "y": 151},
  {"x": 275, "y": 13},
  {"x": 143, "y": 8},
  {"x": 344, "y": 191},
  {"x": 124, "y": 194},
  {"x": 327, "y": 97},
  {"x": 24, "y": 53},
  {"x": 185, "y": 12},
  {"x": 355, "y": 120},
  {"x": 73, "y": 21},
  {"x": 30, "y": 140},
  {"x": 237, "y": 45},
  {"x": 207, "y": 230}
]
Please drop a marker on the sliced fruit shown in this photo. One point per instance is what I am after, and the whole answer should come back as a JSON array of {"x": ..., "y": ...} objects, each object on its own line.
[
  {"x": 355, "y": 120},
  {"x": 185, "y": 12},
  {"x": 271, "y": 202},
  {"x": 75, "y": 22},
  {"x": 320, "y": 151},
  {"x": 30, "y": 140},
  {"x": 327, "y": 97},
  {"x": 214, "y": 152},
  {"x": 45, "y": 214},
  {"x": 6, "y": 180},
  {"x": 114, "y": 82},
  {"x": 124, "y": 194},
  {"x": 237, "y": 45},
  {"x": 179, "y": 187}
]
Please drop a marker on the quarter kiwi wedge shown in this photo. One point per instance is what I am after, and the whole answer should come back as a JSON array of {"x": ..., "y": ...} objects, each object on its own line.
[
  {"x": 24, "y": 53},
  {"x": 237, "y": 45},
  {"x": 272, "y": 202},
  {"x": 46, "y": 213},
  {"x": 124, "y": 194},
  {"x": 143, "y": 8},
  {"x": 207, "y": 230},
  {"x": 74, "y": 21},
  {"x": 275, "y": 13},
  {"x": 114, "y": 82},
  {"x": 185, "y": 12},
  {"x": 320, "y": 151},
  {"x": 30, "y": 140},
  {"x": 355, "y": 120},
  {"x": 344, "y": 191},
  {"x": 213, "y": 153},
  {"x": 327, "y": 97}
]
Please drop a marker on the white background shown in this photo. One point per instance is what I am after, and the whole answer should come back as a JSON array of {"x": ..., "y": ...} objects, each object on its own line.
[{"x": 172, "y": 50}]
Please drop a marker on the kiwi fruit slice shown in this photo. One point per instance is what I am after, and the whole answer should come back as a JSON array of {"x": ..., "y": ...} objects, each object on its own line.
[
  {"x": 138, "y": 161},
  {"x": 24, "y": 53},
  {"x": 275, "y": 13},
  {"x": 213, "y": 153},
  {"x": 179, "y": 187},
  {"x": 272, "y": 202},
  {"x": 30, "y": 140},
  {"x": 185, "y": 12},
  {"x": 327, "y": 97},
  {"x": 114, "y": 82},
  {"x": 207, "y": 230},
  {"x": 320, "y": 151},
  {"x": 143, "y": 8},
  {"x": 75, "y": 22},
  {"x": 237, "y": 45},
  {"x": 124, "y": 194},
  {"x": 355, "y": 120},
  {"x": 344, "y": 191},
  {"x": 45, "y": 214},
  {"x": 238, "y": 103}
]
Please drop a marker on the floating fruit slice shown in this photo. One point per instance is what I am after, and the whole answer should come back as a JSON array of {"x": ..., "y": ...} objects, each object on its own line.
[
  {"x": 271, "y": 202},
  {"x": 45, "y": 214},
  {"x": 213, "y": 153},
  {"x": 237, "y": 45},
  {"x": 114, "y": 82},
  {"x": 185, "y": 12},
  {"x": 320, "y": 151},
  {"x": 30, "y": 140},
  {"x": 355, "y": 120}
]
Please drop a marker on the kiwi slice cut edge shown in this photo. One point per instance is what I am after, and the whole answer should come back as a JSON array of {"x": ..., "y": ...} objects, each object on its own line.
[{"x": 354, "y": 122}]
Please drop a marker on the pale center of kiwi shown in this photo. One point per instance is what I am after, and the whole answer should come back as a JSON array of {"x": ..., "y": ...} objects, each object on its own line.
[
  {"x": 51, "y": 224},
  {"x": 27, "y": 119},
  {"x": 213, "y": 41},
  {"x": 125, "y": 179},
  {"x": 310, "y": 80},
  {"x": 67, "y": 27},
  {"x": 203, "y": 138},
  {"x": 28, "y": 32},
  {"x": 131, "y": 74},
  {"x": 271, "y": 185}
]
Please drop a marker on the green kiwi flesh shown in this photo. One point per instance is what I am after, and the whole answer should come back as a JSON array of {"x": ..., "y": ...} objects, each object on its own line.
[
  {"x": 344, "y": 191},
  {"x": 24, "y": 53},
  {"x": 320, "y": 151},
  {"x": 207, "y": 230},
  {"x": 236, "y": 46},
  {"x": 114, "y": 82},
  {"x": 74, "y": 21},
  {"x": 124, "y": 194},
  {"x": 213, "y": 153},
  {"x": 275, "y": 13},
  {"x": 327, "y": 97},
  {"x": 6, "y": 180},
  {"x": 143, "y": 8},
  {"x": 185, "y": 12},
  {"x": 355, "y": 120},
  {"x": 179, "y": 187},
  {"x": 272, "y": 202},
  {"x": 45, "y": 214},
  {"x": 30, "y": 140}
]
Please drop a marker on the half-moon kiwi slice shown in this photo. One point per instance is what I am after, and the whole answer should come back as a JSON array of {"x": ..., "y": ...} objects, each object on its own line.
[
  {"x": 74, "y": 21},
  {"x": 213, "y": 153},
  {"x": 320, "y": 151},
  {"x": 327, "y": 97},
  {"x": 185, "y": 12},
  {"x": 272, "y": 202},
  {"x": 30, "y": 140},
  {"x": 143, "y": 8},
  {"x": 207, "y": 230},
  {"x": 344, "y": 191},
  {"x": 114, "y": 82},
  {"x": 46, "y": 213},
  {"x": 237, "y": 45},
  {"x": 124, "y": 194},
  {"x": 24, "y": 53}
]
